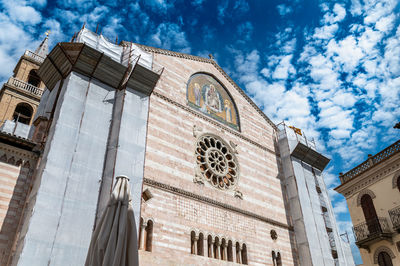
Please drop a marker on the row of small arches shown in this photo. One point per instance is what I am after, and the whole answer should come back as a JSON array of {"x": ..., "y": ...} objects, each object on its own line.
[
  {"x": 276, "y": 258},
  {"x": 218, "y": 248},
  {"x": 13, "y": 161}
]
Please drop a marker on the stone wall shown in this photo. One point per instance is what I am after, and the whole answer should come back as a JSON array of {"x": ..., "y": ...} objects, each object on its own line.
[
  {"x": 182, "y": 206},
  {"x": 16, "y": 169}
]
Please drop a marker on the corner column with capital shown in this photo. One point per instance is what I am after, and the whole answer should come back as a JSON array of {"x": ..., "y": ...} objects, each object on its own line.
[{"x": 142, "y": 232}]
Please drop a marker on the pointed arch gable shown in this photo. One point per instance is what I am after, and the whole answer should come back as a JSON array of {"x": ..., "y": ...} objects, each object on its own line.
[
  {"x": 205, "y": 93},
  {"x": 383, "y": 249},
  {"x": 362, "y": 193}
]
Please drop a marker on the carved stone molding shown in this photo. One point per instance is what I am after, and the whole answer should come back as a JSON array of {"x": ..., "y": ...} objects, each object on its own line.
[
  {"x": 383, "y": 249},
  {"x": 350, "y": 189},
  {"x": 204, "y": 199},
  {"x": 197, "y": 131},
  {"x": 394, "y": 180}
]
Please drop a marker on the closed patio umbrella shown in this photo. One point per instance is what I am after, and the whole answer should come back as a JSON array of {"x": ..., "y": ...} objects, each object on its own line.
[{"x": 114, "y": 241}]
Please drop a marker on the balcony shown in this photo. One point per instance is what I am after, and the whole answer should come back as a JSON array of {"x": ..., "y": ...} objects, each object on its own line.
[
  {"x": 372, "y": 231},
  {"x": 15, "y": 128},
  {"x": 395, "y": 217},
  {"x": 24, "y": 86},
  {"x": 34, "y": 56}
]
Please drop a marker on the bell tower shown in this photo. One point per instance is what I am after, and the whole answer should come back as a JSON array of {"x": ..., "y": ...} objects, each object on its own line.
[{"x": 20, "y": 95}]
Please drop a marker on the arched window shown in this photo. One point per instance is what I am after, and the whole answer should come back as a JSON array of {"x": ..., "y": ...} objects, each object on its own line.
[
  {"x": 149, "y": 235},
  {"x": 398, "y": 183},
  {"x": 278, "y": 259},
  {"x": 210, "y": 246},
  {"x": 222, "y": 249},
  {"x": 230, "y": 251},
  {"x": 217, "y": 245},
  {"x": 384, "y": 259},
  {"x": 238, "y": 255},
  {"x": 200, "y": 245},
  {"x": 371, "y": 218},
  {"x": 23, "y": 113},
  {"x": 193, "y": 242},
  {"x": 244, "y": 254},
  {"x": 273, "y": 258},
  {"x": 33, "y": 78}
]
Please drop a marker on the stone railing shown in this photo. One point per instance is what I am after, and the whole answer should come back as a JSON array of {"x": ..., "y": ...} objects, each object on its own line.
[
  {"x": 22, "y": 85},
  {"x": 395, "y": 217},
  {"x": 372, "y": 160},
  {"x": 34, "y": 56},
  {"x": 371, "y": 229}
]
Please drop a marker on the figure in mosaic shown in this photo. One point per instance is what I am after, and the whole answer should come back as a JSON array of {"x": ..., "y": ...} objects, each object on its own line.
[
  {"x": 212, "y": 98},
  {"x": 228, "y": 111},
  {"x": 197, "y": 93}
]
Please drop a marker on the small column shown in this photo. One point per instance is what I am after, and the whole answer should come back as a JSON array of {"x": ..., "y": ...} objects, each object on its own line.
[
  {"x": 142, "y": 232},
  {"x": 205, "y": 247},
  {"x": 224, "y": 251},
  {"x": 196, "y": 238},
  {"x": 212, "y": 248},
  {"x": 238, "y": 255},
  {"x": 218, "y": 252}
]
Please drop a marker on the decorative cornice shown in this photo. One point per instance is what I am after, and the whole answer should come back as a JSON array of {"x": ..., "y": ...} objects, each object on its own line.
[
  {"x": 204, "y": 199},
  {"x": 8, "y": 149},
  {"x": 352, "y": 188},
  {"x": 16, "y": 142},
  {"x": 210, "y": 61},
  {"x": 371, "y": 162},
  {"x": 212, "y": 121}
]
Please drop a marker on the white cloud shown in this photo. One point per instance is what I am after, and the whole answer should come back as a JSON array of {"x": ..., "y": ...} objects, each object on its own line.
[
  {"x": 12, "y": 46},
  {"x": 20, "y": 12},
  {"x": 284, "y": 68},
  {"x": 284, "y": 9},
  {"x": 170, "y": 36},
  {"x": 326, "y": 32},
  {"x": 241, "y": 7},
  {"x": 245, "y": 30},
  {"x": 197, "y": 2}
]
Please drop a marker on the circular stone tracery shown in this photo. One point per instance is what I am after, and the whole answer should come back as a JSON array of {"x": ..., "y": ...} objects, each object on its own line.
[{"x": 216, "y": 162}]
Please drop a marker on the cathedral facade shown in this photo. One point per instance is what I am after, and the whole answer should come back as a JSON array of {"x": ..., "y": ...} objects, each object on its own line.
[
  {"x": 204, "y": 162},
  {"x": 211, "y": 170}
]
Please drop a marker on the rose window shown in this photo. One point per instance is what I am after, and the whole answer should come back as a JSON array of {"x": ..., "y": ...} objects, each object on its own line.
[{"x": 216, "y": 162}]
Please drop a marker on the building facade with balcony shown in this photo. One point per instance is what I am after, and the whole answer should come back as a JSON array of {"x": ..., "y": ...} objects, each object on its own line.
[
  {"x": 19, "y": 100},
  {"x": 372, "y": 191},
  {"x": 20, "y": 95}
]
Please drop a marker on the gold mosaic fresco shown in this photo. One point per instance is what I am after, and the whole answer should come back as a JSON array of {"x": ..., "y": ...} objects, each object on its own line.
[{"x": 207, "y": 95}]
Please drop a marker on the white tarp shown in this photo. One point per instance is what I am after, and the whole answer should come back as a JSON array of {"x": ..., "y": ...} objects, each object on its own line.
[
  {"x": 100, "y": 43},
  {"x": 121, "y": 54}
]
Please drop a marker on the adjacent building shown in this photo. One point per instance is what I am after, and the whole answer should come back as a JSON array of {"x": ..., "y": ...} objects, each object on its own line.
[
  {"x": 207, "y": 168},
  {"x": 372, "y": 191},
  {"x": 19, "y": 100}
]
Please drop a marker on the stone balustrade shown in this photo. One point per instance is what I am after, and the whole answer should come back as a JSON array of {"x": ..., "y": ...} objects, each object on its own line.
[
  {"x": 22, "y": 85},
  {"x": 34, "y": 56}
]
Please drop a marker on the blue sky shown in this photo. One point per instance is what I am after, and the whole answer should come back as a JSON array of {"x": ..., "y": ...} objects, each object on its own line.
[{"x": 331, "y": 68}]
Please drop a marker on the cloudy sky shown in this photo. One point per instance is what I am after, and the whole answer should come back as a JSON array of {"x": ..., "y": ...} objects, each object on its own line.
[{"x": 331, "y": 68}]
